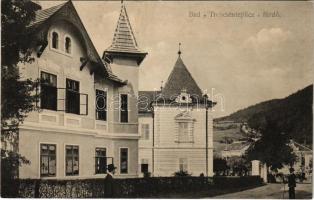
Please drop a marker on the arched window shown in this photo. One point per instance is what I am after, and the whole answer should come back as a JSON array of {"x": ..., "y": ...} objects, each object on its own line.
[
  {"x": 55, "y": 40},
  {"x": 67, "y": 45}
]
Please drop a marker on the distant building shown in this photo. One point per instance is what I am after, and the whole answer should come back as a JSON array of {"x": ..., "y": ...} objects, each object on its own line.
[
  {"x": 79, "y": 130},
  {"x": 304, "y": 159},
  {"x": 236, "y": 149},
  {"x": 173, "y": 124}
]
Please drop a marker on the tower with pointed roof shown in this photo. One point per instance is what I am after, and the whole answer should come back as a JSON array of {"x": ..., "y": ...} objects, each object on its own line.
[{"x": 177, "y": 129}]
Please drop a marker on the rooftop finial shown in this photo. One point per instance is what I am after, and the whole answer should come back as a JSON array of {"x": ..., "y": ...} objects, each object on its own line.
[{"x": 179, "y": 52}]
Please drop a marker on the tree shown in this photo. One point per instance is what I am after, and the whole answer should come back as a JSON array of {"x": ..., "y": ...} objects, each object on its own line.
[
  {"x": 273, "y": 146},
  {"x": 220, "y": 166},
  {"x": 17, "y": 98},
  {"x": 239, "y": 165}
]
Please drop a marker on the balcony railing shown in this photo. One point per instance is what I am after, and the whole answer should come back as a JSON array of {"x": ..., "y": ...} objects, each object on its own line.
[{"x": 66, "y": 100}]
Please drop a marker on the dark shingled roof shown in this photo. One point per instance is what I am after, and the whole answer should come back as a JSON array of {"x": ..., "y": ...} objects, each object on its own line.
[
  {"x": 124, "y": 39},
  {"x": 179, "y": 79},
  {"x": 145, "y": 98},
  {"x": 43, "y": 15}
]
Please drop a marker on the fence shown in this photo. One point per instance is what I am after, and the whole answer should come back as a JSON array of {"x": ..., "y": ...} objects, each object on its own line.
[{"x": 125, "y": 188}]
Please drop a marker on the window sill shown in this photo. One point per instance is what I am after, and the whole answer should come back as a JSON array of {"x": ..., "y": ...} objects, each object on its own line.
[
  {"x": 59, "y": 51},
  {"x": 184, "y": 142},
  {"x": 125, "y": 123}
]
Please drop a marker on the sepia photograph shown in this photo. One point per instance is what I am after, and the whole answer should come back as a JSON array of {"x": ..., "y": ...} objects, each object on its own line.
[{"x": 157, "y": 99}]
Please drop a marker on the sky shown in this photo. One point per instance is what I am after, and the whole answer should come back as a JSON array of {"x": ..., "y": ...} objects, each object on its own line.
[{"x": 239, "y": 61}]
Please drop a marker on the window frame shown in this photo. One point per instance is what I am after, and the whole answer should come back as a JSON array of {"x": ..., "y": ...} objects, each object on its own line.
[
  {"x": 51, "y": 87},
  {"x": 187, "y": 164},
  {"x": 145, "y": 135},
  {"x": 120, "y": 107},
  {"x": 52, "y": 40},
  {"x": 73, "y": 92},
  {"x": 40, "y": 159},
  {"x": 96, "y": 165},
  {"x": 128, "y": 159},
  {"x": 106, "y": 105},
  {"x": 71, "y": 44},
  {"x": 183, "y": 138},
  {"x": 144, "y": 163},
  {"x": 65, "y": 156}
]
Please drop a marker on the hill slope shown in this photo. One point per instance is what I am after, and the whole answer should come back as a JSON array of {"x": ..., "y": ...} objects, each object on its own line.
[{"x": 294, "y": 114}]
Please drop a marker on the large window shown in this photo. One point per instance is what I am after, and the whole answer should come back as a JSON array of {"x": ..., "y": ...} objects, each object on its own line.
[
  {"x": 72, "y": 96},
  {"x": 124, "y": 160},
  {"x": 101, "y": 105},
  {"x": 68, "y": 45},
  {"x": 71, "y": 160},
  {"x": 183, "y": 164},
  {"x": 124, "y": 108},
  {"x": 145, "y": 131},
  {"x": 48, "y": 94},
  {"x": 144, "y": 166},
  {"x": 183, "y": 132},
  {"x": 47, "y": 160},
  {"x": 55, "y": 40},
  {"x": 100, "y": 161}
]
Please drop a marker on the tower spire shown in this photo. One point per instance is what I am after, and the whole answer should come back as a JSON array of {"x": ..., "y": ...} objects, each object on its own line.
[{"x": 179, "y": 52}]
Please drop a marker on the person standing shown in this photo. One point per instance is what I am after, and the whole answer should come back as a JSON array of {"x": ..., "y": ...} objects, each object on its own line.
[
  {"x": 291, "y": 184},
  {"x": 109, "y": 186}
]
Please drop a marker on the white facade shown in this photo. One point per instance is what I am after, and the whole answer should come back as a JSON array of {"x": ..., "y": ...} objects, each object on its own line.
[{"x": 64, "y": 144}]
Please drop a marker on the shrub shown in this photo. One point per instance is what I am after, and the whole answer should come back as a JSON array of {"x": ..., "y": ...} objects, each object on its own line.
[{"x": 181, "y": 173}]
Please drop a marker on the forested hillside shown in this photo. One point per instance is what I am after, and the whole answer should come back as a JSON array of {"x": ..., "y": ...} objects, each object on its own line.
[{"x": 294, "y": 114}]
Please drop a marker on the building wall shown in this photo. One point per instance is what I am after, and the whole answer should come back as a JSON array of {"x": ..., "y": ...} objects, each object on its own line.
[
  {"x": 145, "y": 146},
  {"x": 65, "y": 66},
  {"x": 167, "y": 151},
  {"x": 167, "y": 161},
  {"x": 31, "y": 139},
  {"x": 60, "y": 128}
]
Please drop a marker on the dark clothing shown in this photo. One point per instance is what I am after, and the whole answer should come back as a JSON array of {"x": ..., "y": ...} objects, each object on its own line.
[
  {"x": 291, "y": 193},
  {"x": 109, "y": 186},
  {"x": 291, "y": 185}
]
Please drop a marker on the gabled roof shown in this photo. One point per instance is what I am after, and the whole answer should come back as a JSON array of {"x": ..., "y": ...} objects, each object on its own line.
[
  {"x": 180, "y": 79},
  {"x": 67, "y": 11},
  {"x": 300, "y": 147}
]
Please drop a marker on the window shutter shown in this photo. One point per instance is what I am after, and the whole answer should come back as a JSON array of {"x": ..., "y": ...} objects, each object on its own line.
[
  {"x": 191, "y": 132},
  {"x": 176, "y": 133}
]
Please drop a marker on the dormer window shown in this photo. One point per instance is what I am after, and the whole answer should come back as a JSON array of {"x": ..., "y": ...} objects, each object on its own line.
[
  {"x": 183, "y": 97},
  {"x": 68, "y": 45},
  {"x": 55, "y": 40}
]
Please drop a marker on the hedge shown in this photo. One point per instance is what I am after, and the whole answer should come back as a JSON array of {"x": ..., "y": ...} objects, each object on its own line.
[{"x": 125, "y": 188}]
